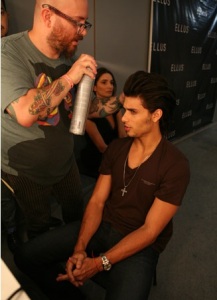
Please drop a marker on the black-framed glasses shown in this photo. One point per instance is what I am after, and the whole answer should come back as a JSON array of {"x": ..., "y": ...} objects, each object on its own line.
[{"x": 80, "y": 26}]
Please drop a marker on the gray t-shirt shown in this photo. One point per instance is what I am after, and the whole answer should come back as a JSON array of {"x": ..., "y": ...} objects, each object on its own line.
[{"x": 44, "y": 151}]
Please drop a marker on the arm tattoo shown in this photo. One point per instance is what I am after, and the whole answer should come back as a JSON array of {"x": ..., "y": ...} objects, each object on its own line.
[
  {"x": 43, "y": 98},
  {"x": 105, "y": 106}
]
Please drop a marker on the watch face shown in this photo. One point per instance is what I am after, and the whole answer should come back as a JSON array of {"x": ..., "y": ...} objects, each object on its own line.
[
  {"x": 107, "y": 267},
  {"x": 106, "y": 263}
]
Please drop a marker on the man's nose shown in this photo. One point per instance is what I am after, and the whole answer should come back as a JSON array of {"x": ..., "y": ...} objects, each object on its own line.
[{"x": 123, "y": 119}]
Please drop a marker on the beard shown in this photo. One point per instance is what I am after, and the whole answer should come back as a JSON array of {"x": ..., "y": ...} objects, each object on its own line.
[{"x": 62, "y": 43}]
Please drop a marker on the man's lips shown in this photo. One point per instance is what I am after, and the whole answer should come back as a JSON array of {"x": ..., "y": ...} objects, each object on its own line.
[
  {"x": 126, "y": 128},
  {"x": 76, "y": 41}
]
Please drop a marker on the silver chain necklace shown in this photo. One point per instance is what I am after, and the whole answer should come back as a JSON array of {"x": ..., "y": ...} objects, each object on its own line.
[{"x": 124, "y": 190}]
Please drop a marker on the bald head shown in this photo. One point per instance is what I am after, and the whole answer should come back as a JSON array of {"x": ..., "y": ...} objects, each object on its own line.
[
  {"x": 56, "y": 25},
  {"x": 69, "y": 5},
  {"x": 77, "y": 9}
]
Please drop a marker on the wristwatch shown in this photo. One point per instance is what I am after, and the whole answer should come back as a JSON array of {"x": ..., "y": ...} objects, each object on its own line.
[{"x": 105, "y": 263}]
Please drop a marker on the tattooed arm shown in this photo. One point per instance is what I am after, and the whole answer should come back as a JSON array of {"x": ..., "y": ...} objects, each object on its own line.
[
  {"x": 38, "y": 103},
  {"x": 102, "y": 107}
]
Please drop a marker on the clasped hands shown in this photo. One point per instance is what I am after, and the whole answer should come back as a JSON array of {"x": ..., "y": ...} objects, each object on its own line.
[{"x": 78, "y": 269}]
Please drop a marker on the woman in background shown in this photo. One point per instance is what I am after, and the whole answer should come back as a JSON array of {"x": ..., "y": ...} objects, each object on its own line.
[
  {"x": 4, "y": 19},
  {"x": 101, "y": 131}
]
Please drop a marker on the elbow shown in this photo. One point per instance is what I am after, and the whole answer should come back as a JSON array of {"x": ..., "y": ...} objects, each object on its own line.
[
  {"x": 21, "y": 119},
  {"x": 102, "y": 148},
  {"x": 27, "y": 125},
  {"x": 25, "y": 122},
  {"x": 152, "y": 239},
  {"x": 150, "y": 233}
]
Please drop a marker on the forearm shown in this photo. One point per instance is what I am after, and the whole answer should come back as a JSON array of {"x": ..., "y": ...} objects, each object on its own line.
[
  {"x": 76, "y": 264},
  {"x": 157, "y": 218},
  {"x": 95, "y": 136},
  {"x": 102, "y": 107},
  {"x": 90, "y": 223},
  {"x": 38, "y": 103},
  {"x": 99, "y": 142},
  {"x": 131, "y": 244}
]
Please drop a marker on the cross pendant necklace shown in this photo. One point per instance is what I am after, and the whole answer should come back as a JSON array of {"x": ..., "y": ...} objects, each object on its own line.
[{"x": 124, "y": 190}]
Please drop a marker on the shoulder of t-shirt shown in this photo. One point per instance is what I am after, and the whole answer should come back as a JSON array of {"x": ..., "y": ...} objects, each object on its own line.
[
  {"x": 117, "y": 146},
  {"x": 120, "y": 142},
  {"x": 171, "y": 158},
  {"x": 8, "y": 40},
  {"x": 171, "y": 147}
]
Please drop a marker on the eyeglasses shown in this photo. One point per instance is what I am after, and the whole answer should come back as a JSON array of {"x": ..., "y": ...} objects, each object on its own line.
[{"x": 80, "y": 26}]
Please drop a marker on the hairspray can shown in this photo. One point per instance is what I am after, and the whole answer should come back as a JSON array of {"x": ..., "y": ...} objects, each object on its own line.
[{"x": 81, "y": 105}]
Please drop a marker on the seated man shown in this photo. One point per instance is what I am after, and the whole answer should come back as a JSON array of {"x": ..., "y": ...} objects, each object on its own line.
[{"x": 128, "y": 220}]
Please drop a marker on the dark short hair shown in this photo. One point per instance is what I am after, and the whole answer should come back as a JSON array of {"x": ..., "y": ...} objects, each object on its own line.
[
  {"x": 155, "y": 93},
  {"x": 100, "y": 72}
]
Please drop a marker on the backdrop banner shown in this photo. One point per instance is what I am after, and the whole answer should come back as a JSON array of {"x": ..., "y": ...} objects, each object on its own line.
[{"x": 184, "y": 50}]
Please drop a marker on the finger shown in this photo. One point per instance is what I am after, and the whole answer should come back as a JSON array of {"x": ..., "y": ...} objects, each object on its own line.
[
  {"x": 69, "y": 268},
  {"x": 69, "y": 264},
  {"x": 79, "y": 283},
  {"x": 79, "y": 263},
  {"x": 62, "y": 277},
  {"x": 76, "y": 282},
  {"x": 90, "y": 70},
  {"x": 85, "y": 57}
]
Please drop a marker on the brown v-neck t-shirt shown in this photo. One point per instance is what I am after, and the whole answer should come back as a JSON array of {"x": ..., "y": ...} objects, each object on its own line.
[{"x": 165, "y": 175}]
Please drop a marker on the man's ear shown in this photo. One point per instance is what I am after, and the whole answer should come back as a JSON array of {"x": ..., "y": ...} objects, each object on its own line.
[
  {"x": 46, "y": 14},
  {"x": 157, "y": 114}
]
